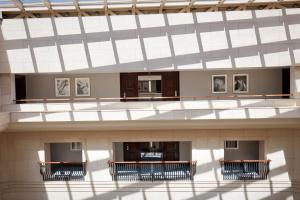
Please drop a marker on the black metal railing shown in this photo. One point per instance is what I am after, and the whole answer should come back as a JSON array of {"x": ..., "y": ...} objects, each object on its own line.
[
  {"x": 245, "y": 169},
  {"x": 152, "y": 170},
  {"x": 63, "y": 171}
]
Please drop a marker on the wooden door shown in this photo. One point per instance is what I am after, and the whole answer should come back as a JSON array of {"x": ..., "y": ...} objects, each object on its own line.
[
  {"x": 129, "y": 84},
  {"x": 170, "y": 151},
  {"x": 170, "y": 85},
  {"x": 132, "y": 150}
]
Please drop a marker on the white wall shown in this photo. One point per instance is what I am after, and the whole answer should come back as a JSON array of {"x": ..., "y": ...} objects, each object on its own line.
[
  {"x": 7, "y": 88},
  {"x": 3, "y": 163},
  {"x": 7, "y": 94},
  {"x": 187, "y": 41},
  {"x": 195, "y": 83},
  {"x": 61, "y": 152},
  {"x": 118, "y": 151},
  {"x": 26, "y": 148},
  {"x": 295, "y": 81},
  {"x": 102, "y": 85},
  {"x": 247, "y": 150},
  {"x": 185, "y": 150}
]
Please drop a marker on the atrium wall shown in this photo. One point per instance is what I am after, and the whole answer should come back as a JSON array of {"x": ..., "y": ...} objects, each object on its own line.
[{"x": 27, "y": 148}]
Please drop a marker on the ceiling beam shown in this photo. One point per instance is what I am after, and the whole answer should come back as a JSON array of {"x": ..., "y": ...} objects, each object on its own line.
[
  {"x": 75, "y": 3},
  {"x": 18, "y": 4},
  {"x": 270, "y": 6},
  {"x": 221, "y": 2},
  {"x": 277, "y": 5},
  {"x": 137, "y": 11},
  {"x": 183, "y": 10},
  {"x": 133, "y": 8},
  {"x": 105, "y": 7},
  {"x": 243, "y": 7},
  {"x": 162, "y": 5},
  {"x": 49, "y": 6},
  {"x": 251, "y": 4},
  {"x": 191, "y": 3}
]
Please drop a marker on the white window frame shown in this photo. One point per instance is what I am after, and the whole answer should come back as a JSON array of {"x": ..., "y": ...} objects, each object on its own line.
[
  {"x": 77, "y": 145},
  {"x": 231, "y": 148}
]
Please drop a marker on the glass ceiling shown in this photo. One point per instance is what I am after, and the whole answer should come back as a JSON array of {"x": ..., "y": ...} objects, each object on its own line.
[{"x": 17, "y": 5}]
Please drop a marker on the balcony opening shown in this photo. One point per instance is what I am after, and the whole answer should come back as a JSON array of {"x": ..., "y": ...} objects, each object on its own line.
[
  {"x": 20, "y": 87},
  {"x": 244, "y": 160},
  {"x": 152, "y": 161},
  {"x": 286, "y": 82},
  {"x": 63, "y": 161},
  {"x": 149, "y": 86}
]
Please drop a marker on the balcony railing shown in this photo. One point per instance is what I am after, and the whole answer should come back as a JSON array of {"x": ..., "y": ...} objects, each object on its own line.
[
  {"x": 152, "y": 170},
  {"x": 245, "y": 169},
  {"x": 116, "y": 99},
  {"x": 63, "y": 171}
]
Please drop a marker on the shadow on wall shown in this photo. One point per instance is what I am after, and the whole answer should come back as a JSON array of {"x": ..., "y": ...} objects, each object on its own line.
[
  {"x": 126, "y": 115},
  {"x": 208, "y": 183},
  {"x": 188, "y": 41}
]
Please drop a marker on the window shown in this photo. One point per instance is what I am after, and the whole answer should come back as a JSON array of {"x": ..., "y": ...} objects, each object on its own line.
[
  {"x": 149, "y": 86},
  {"x": 231, "y": 144},
  {"x": 76, "y": 146}
]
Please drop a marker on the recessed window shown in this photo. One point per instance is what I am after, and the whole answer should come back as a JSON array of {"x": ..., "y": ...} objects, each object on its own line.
[
  {"x": 231, "y": 144},
  {"x": 76, "y": 146},
  {"x": 149, "y": 86}
]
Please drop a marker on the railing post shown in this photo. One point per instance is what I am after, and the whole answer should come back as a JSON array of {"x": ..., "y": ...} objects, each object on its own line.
[
  {"x": 245, "y": 169},
  {"x": 192, "y": 170},
  {"x": 152, "y": 171}
]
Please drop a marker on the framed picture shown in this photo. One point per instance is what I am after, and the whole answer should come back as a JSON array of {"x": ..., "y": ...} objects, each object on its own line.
[
  {"x": 240, "y": 83},
  {"x": 62, "y": 87},
  {"x": 219, "y": 83},
  {"x": 82, "y": 87}
]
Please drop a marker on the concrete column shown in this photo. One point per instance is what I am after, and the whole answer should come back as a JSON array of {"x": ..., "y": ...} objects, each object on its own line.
[
  {"x": 295, "y": 81},
  {"x": 7, "y": 88}
]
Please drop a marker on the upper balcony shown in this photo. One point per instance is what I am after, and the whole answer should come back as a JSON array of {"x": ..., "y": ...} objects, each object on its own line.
[{"x": 189, "y": 112}]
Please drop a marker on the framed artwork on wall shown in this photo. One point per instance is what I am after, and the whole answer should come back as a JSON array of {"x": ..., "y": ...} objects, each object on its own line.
[
  {"x": 219, "y": 83},
  {"x": 82, "y": 87},
  {"x": 240, "y": 83},
  {"x": 62, "y": 87}
]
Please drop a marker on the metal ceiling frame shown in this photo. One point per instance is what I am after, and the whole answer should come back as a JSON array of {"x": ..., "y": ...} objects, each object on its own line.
[{"x": 136, "y": 6}]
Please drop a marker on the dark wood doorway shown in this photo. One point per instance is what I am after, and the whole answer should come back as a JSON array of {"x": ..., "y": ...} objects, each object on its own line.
[
  {"x": 132, "y": 150},
  {"x": 169, "y": 85},
  {"x": 286, "y": 81},
  {"x": 20, "y": 86}
]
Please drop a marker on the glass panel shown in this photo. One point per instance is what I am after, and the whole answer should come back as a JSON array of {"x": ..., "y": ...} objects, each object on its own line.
[
  {"x": 143, "y": 86},
  {"x": 5, "y": 2},
  {"x": 61, "y": 1},
  {"x": 31, "y": 1},
  {"x": 156, "y": 86},
  {"x": 149, "y": 86}
]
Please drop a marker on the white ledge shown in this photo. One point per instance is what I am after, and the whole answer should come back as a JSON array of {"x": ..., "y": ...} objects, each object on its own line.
[{"x": 154, "y": 111}]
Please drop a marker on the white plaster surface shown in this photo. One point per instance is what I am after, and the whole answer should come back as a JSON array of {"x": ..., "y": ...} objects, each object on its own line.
[
  {"x": 182, "y": 41},
  {"x": 24, "y": 149}
]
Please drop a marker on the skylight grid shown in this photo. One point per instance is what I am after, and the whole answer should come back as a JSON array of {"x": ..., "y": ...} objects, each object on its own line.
[
  {"x": 31, "y": 1},
  {"x": 61, "y": 1},
  {"x": 5, "y": 2}
]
